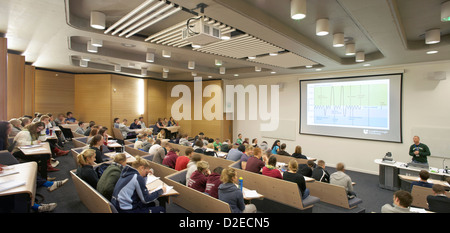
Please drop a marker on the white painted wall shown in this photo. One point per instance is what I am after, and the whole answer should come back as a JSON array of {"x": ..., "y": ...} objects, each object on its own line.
[{"x": 426, "y": 108}]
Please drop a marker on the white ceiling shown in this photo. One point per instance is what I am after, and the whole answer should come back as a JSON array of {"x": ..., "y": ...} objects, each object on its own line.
[{"x": 53, "y": 34}]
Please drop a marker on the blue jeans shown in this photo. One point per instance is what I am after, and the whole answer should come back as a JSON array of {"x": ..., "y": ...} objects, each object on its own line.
[{"x": 305, "y": 194}]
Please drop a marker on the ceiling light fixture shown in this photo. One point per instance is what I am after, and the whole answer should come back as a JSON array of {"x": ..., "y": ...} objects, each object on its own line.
[
  {"x": 366, "y": 65},
  {"x": 322, "y": 27},
  {"x": 225, "y": 36},
  {"x": 309, "y": 66},
  {"x": 273, "y": 72},
  {"x": 144, "y": 71},
  {"x": 165, "y": 75},
  {"x": 209, "y": 76},
  {"x": 257, "y": 69},
  {"x": 196, "y": 46},
  {"x": 98, "y": 20},
  {"x": 150, "y": 57},
  {"x": 194, "y": 74},
  {"x": 273, "y": 54},
  {"x": 338, "y": 40},
  {"x": 218, "y": 62},
  {"x": 117, "y": 68},
  {"x": 445, "y": 11},
  {"x": 350, "y": 49},
  {"x": 318, "y": 69},
  {"x": 222, "y": 70},
  {"x": 96, "y": 42},
  {"x": 360, "y": 56},
  {"x": 191, "y": 65},
  {"x": 251, "y": 57},
  {"x": 166, "y": 54},
  {"x": 298, "y": 9},
  {"x": 433, "y": 36},
  {"x": 236, "y": 75},
  {"x": 432, "y": 52},
  {"x": 165, "y": 70},
  {"x": 86, "y": 58},
  {"x": 91, "y": 48},
  {"x": 83, "y": 63}
]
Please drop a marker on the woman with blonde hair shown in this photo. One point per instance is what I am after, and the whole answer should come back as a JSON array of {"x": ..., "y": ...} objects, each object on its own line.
[
  {"x": 131, "y": 194},
  {"x": 86, "y": 161},
  {"x": 293, "y": 176},
  {"x": 16, "y": 127},
  {"x": 231, "y": 194},
  {"x": 198, "y": 179}
]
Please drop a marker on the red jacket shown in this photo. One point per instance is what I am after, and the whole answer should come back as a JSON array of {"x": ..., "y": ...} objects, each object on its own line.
[
  {"x": 212, "y": 185},
  {"x": 198, "y": 181},
  {"x": 170, "y": 159},
  {"x": 272, "y": 172}
]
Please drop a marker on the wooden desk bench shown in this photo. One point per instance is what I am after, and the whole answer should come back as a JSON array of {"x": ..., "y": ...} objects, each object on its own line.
[
  {"x": 80, "y": 141},
  {"x": 332, "y": 194}
]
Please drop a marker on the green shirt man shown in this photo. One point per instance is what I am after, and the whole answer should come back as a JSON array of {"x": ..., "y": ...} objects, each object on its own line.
[{"x": 419, "y": 151}]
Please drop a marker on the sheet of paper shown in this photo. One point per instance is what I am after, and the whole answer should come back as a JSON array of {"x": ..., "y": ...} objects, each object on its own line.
[
  {"x": 10, "y": 184},
  {"x": 251, "y": 194},
  {"x": 8, "y": 172},
  {"x": 151, "y": 179}
]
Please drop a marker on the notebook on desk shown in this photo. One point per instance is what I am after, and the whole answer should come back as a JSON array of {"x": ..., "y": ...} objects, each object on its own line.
[{"x": 10, "y": 184}]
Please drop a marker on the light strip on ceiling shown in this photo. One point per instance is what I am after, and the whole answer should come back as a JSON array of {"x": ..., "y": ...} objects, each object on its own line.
[
  {"x": 154, "y": 21},
  {"x": 146, "y": 19},
  {"x": 127, "y": 16},
  {"x": 144, "y": 13}
]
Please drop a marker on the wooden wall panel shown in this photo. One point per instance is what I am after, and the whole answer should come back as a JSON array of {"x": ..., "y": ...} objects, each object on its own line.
[
  {"x": 54, "y": 92},
  {"x": 28, "y": 102},
  {"x": 157, "y": 100},
  {"x": 3, "y": 78},
  {"x": 125, "y": 97},
  {"x": 15, "y": 76},
  {"x": 93, "y": 99}
]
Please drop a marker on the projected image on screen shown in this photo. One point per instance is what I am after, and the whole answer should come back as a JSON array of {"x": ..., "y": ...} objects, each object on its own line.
[
  {"x": 366, "y": 107},
  {"x": 363, "y": 104}
]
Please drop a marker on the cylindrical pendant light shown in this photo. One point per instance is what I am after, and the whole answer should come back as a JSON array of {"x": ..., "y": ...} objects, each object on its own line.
[
  {"x": 360, "y": 56},
  {"x": 218, "y": 62},
  {"x": 322, "y": 27},
  {"x": 433, "y": 36},
  {"x": 83, "y": 63},
  {"x": 350, "y": 49},
  {"x": 191, "y": 65},
  {"x": 165, "y": 70},
  {"x": 150, "y": 57},
  {"x": 222, "y": 70},
  {"x": 338, "y": 40},
  {"x": 96, "y": 42},
  {"x": 166, "y": 53},
  {"x": 257, "y": 69},
  {"x": 117, "y": 68},
  {"x": 91, "y": 48},
  {"x": 98, "y": 20},
  {"x": 144, "y": 71},
  {"x": 298, "y": 9},
  {"x": 165, "y": 75}
]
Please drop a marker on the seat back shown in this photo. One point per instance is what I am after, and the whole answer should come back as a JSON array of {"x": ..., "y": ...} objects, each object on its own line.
[
  {"x": 117, "y": 134},
  {"x": 6, "y": 158},
  {"x": 419, "y": 195},
  {"x": 332, "y": 194},
  {"x": 66, "y": 132}
]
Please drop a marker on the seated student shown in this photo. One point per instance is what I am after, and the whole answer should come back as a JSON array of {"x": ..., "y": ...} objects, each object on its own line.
[
  {"x": 306, "y": 169},
  {"x": 236, "y": 152},
  {"x": 319, "y": 173},
  {"x": 293, "y": 176},
  {"x": 210, "y": 150},
  {"x": 402, "y": 201},
  {"x": 264, "y": 146},
  {"x": 60, "y": 119},
  {"x": 192, "y": 165},
  {"x": 213, "y": 182},
  {"x": 161, "y": 135},
  {"x": 254, "y": 163},
  {"x": 231, "y": 194},
  {"x": 88, "y": 129},
  {"x": 140, "y": 140},
  {"x": 135, "y": 124},
  {"x": 198, "y": 147},
  {"x": 159, "y": 125},
  {"x": 80, "y": 129},
  {"x": 16, "y": 127},
  {"x": 160, "y": 153},
  {"x": 86, "y": 160},
  {"x": 111, "y": 175},
  {"x": 199, "y": 177},
  {"x": 424, "y": 176},
  {"x": 255, "y": 142},
  {"x": 171, "y": 122},
  {"x": 116, "y": 122},
  {"x": 126, "y": 132},
  {"x": 239, "y": 139},
  {"x": 342, "y": 179},
  {"x": 183, "y": 160},
  {"x": 271, "y": 168},
  {"x": 142, "y": 123},
  {"x": 275, "y": 147},
  {"x": 70, "y": 119},
  {"x": 96, "y": 145},
  {"x": 247, "y": 154},
  {"x": 246, "y": 141},
  {"x": 298, "y": 153},
  {"x": 439, "y": 202},
  {"x": 94, "y": 131},
  {"x": 282, "y": 150},
  {"x": 104, "y": 132},
  {"x": 171, "y": 158},
  {"x": 217, "y": 144},
  {"x": 226, "y": 146},
  {"x": 130, "y": 193},
  {"x": 184, "y": 140},
  {"x": 31, "y": 135}
]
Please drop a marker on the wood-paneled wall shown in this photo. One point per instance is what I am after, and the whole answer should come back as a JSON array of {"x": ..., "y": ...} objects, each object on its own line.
[
  {"x": 54, "y": 92},
  {"x": 3, "y": 78},
  {"x": 15, "y": 85}
]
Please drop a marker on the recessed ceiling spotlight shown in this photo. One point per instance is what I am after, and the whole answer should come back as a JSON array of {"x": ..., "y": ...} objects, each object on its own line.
[
  {"x": 209, "y": 76},
  {"x": 191, "y": 65},
  {"x": 165, "y": 75},
  {"x": 117, "y": 68},
  {"x": 194, "y": 74},
  {"x": 128, "y": 45},
  {"x": 165, "y": 70},
  {"x": 257, "y": 69},
  {"x": 218, "y": 62},
  {"x": 225, "y": 36},
  {"x": 322, "y": 27},
  {"x": 273, "y": 54},
  {"x": 196, "y": 46},
  {"x": 309, "y": 66},
  {"x": 273, "y": 72},
  {"x": 318, "y": 69},
  {"x": 366, "y": 64},
  {"x": 144, "y": 71},
  {"x": 432, "y": 52},
  {"x": 236, "y": 75},
  {"x": 298, "y": 9},
  {"x": 86, "y": 58},
  {"x": 251, "y": 57},
  {"x": 222, "y": 70},
  {"x": 83, "y": 63}
]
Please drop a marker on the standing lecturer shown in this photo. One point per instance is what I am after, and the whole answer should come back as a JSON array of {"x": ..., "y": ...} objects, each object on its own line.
[{"x": 419, "y": 151}]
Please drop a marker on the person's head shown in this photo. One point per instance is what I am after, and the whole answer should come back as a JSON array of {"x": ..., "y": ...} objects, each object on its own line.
[
  {"x": 310, "y": 163},
  {"x": 25, "y": 121},
  {"x": 188, "y": 152},
  {"x": 50, "y": 115},
  {"x": 162, "y": 132},
  {"x": 199, "y": 143},
  {"x": 257, "y": 152},
  {"x": 228, "y": 175},
  {"x": 218, "y": 170},
  {"x": 254, "y": 141},
  {"x": 135, "y": 121},
  {"x": 141, "y": 165},
  {"x": 276, "y": 143},
  {"x": 272, "y": 161},
  {"x": 171, "y": 119},
  {"x": 158, "y": 141},
  {"x": 15, "y": 122},
  {"x": 120, "y": 158},
  {"x": 175, "y": 150},
  {"x": 424, "y": 175},
  {"x": 416, "y": 139},
  {"x": 201, "y": 134},
  {"x": 202, "y": 166},
  {"x": 61, "y": 117},
  {"x": 141, "y": 119},
  {"x": 45, "y": 119},
  {"x": 69, "y": 114},
  {"x": 298, "y": 150},
  {"x": 217, "y": 140},
  {"x": 96, "y": 141},
  {"x": 283, "y": 146},
  {"x": 340, "y": 167},
  {"x": 196, "y": 157},
  {"x": 241, "y": 148},
  {"x": 210, "y": 146},
  {"x": 36, "y": 128},
  {"x": 116, "y": 120},
  {"x": 124, "y": 121},
  {"x": 249, "y": 150},
  {"x": 91, "y": 123},
  {"x": 5, "y": 130},
  {"x": 185, "y": 135},
  {"x": 86, "y": 157},
  {"x": 94, "y": 131},
  {"x": 321, "y": 163},
  {"x": 240, "y": 136},
  {"x": 402, "y": 198},
  {"x": 438, "y": 189},
  {"x": 80, "y": 123},
  {"x": 293, "y": 165},
  {"x": 103, "y": 131}
]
